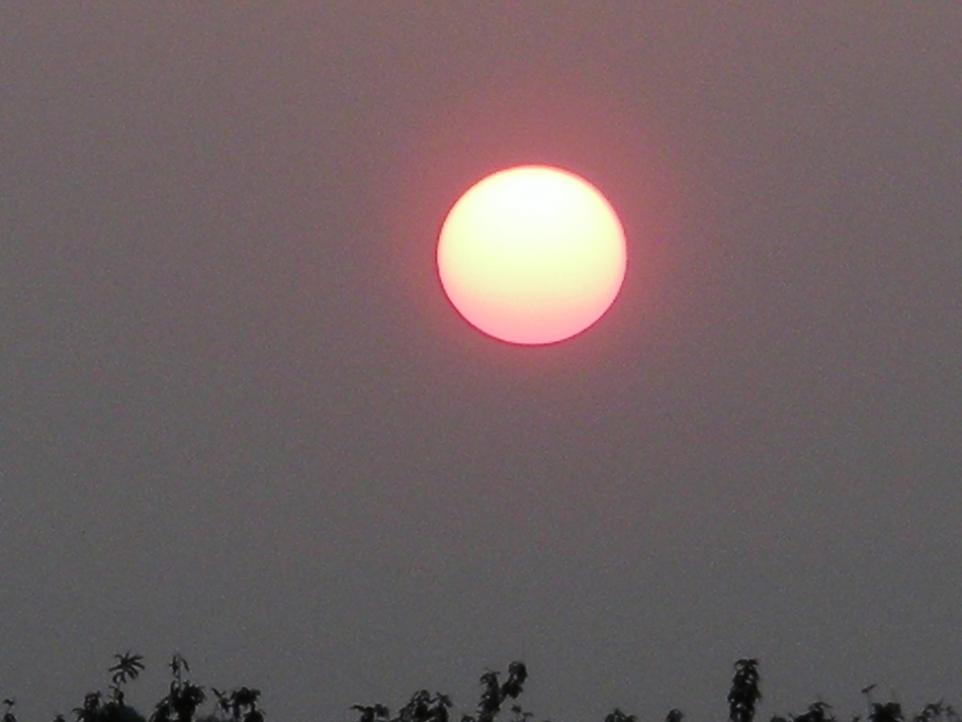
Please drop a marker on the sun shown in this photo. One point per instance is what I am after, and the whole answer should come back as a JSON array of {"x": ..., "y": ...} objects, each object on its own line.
[{"x": 532, "y": 255}]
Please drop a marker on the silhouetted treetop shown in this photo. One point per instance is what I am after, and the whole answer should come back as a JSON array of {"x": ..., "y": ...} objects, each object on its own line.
[
  {"x": 936, "y": 710},
  {"x": 371, "y": 713},
  {"x": 745, "y": 691},
  {"x": 674, "y": 715},
  {"x": 422, "y": 707},
  {"x": 517, "y": 674},
  {"x": 616, "y": 715},
  {"x": 184, "y": 699},
  {"x": 128, "y": 667},
  {"x": 888, "y": 712}
]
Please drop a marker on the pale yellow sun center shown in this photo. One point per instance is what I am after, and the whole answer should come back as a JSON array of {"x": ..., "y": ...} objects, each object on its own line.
[{"x": 532, "y": 255}]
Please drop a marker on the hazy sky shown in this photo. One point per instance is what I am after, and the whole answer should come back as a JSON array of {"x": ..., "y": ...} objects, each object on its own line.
[{"x": 239, "y": 419}]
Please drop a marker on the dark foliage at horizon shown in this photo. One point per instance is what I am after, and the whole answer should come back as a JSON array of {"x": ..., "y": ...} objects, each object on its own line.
[{"x": 184, "y": 699}]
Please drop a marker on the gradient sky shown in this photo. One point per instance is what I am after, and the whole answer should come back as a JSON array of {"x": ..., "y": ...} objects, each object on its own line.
[{"x": 239, "y": 419}]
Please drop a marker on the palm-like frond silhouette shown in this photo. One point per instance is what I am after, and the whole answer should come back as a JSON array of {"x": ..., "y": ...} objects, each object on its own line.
[
  {"x": 128, "y": 667},
  {"x": 178, "y": 665}
]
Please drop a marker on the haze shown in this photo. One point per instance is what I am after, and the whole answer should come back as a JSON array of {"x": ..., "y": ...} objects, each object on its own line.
[{"x": 238, "y": 418}]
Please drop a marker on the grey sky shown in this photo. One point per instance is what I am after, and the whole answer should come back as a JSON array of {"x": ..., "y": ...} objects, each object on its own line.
[{"x": 238, "y": 418}]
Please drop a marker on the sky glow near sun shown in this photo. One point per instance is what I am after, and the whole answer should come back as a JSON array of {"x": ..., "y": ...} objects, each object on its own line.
[{"x": 532, "y": 255}]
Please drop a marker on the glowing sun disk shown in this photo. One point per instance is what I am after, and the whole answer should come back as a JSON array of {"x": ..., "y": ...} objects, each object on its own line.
[{"x": 532, "y": 255}]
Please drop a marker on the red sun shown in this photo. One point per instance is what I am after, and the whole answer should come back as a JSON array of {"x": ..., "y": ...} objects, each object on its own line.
[{"x": 532, "y": 255}]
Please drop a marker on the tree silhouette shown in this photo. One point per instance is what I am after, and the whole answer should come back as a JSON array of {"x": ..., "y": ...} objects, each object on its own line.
[
  {"x": 128, "y": 668},
  {"x": 674, "y": 715},
  {"x": 888, "y": 712},
  {"x": 373, "y": 713},
  {"x": 936, "y": 710},
  {"x": 240, "y": 704},
  {"x": 745, "y": 692},
  {"x": 816, "y": 712},
  {"x": 424, "y": 707},
  {"x": 97, "y": 708},
  {"x": 493, "y": 694},
  {"x": 184, "y": 699},
  {"x": 90, "y": 709},
  {"x": 490, "y": 703},
  {"x": 616, "y": 715},
  {"x": 517, "y": 674}
]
